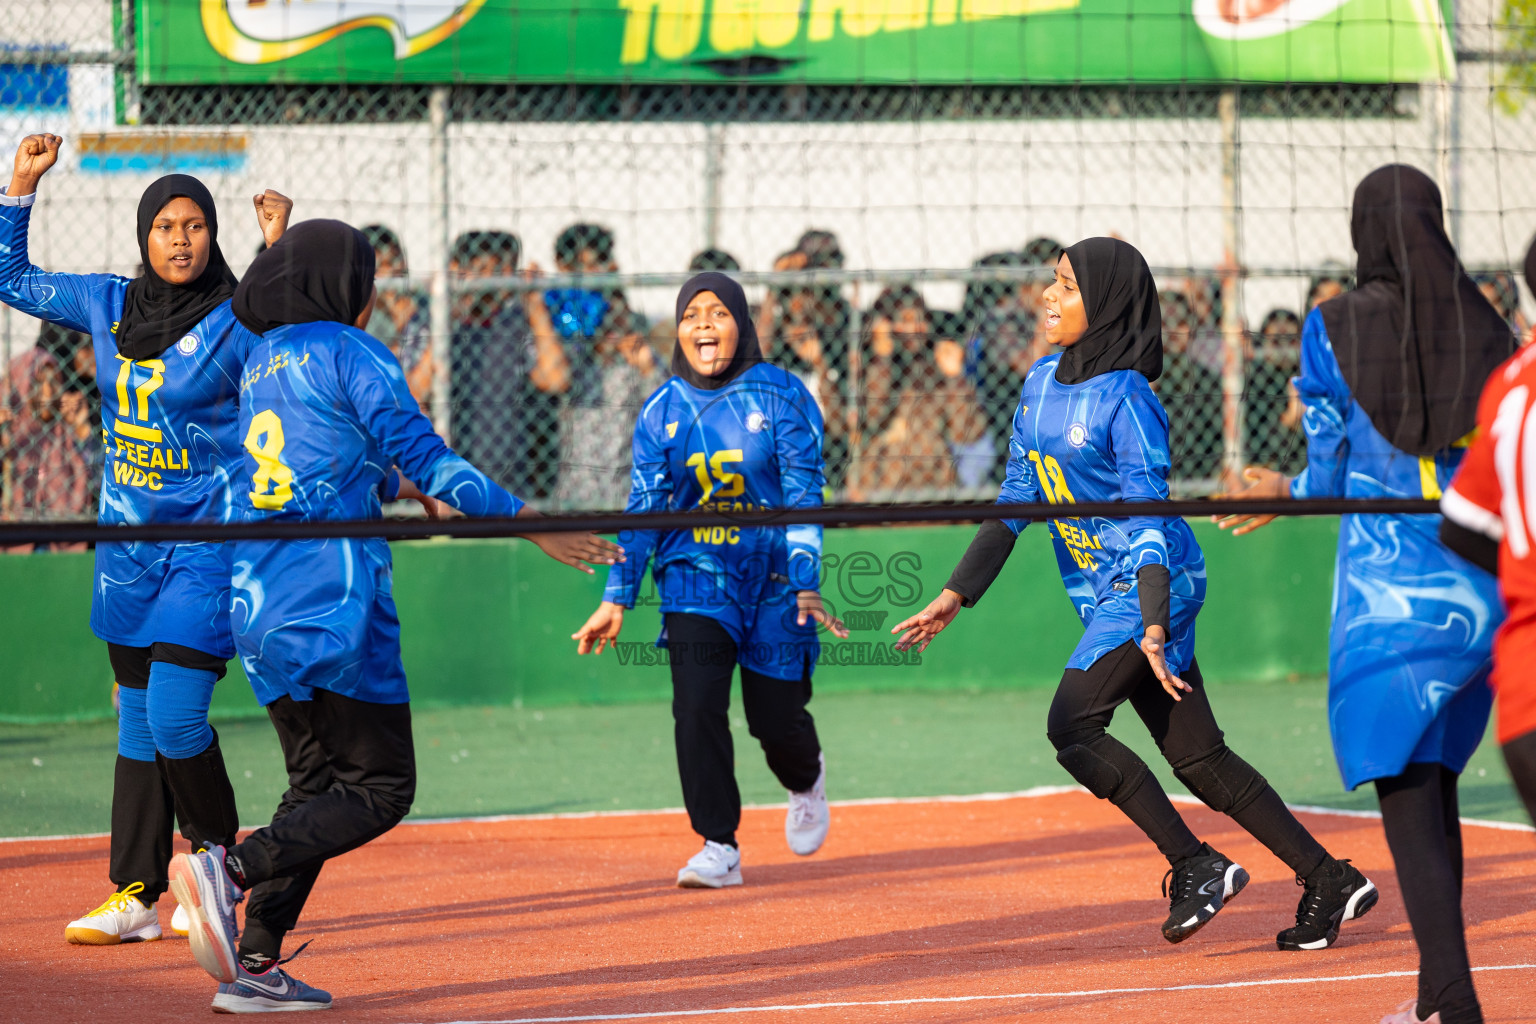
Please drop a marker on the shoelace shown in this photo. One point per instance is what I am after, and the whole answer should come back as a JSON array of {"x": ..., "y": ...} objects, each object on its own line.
[
  {"x": 118, "y": 900},
  {"x": 1183, "y": 884},
  {"x": 1310, "y": 909},
  {"x": 295, "y": 953},
  {"x": 276, "y": 970},
  {"x": 803, "y": 807}
]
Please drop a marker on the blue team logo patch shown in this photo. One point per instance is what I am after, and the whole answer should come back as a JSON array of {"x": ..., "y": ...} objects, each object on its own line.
[
  {"x": 1077, "y": 435},
  {"x": 187, "y": 345},
  {"x": 756, "y": 421}
]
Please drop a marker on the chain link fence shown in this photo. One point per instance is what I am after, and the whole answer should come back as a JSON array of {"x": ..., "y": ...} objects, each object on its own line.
[{"x": 894, "y": 239}]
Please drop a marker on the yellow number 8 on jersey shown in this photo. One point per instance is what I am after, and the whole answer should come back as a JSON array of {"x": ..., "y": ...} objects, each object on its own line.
[{"x": 273, "y": 481}]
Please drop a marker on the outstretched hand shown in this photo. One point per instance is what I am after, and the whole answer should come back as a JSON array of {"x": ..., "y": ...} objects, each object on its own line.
[
  {"x": 811, "y": 609},
  {"x": 601, "y": 628},
  {"x": 1264, "y": 484},
  {"x": 1152, "y": 645},
  {"x": 921, "y": 628},
  {"x": 574, "y": 549},
  {"x": 34, "y": 156},
  {"x": 272, "y": 212},
  {"x": 431, "y": 506}
]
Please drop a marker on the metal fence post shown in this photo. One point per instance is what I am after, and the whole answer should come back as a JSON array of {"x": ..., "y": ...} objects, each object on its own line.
[
  {"x": 437, "y": 249},
  {"x": 714, "y": 169},
  {"x": 1232, "y": 382}
]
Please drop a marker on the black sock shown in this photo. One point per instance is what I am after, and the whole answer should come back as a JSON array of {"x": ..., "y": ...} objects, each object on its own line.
[
  {"x": 235, "y": 870},
  {"x": 729, "y": 840},
  {"x": 256, "y": 963}
]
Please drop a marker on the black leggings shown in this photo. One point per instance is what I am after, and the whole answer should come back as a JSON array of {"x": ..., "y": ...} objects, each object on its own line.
[
  {"x": 703, "y": 656},
  {"x": 351, "y": 778},
  {"x": 1187, "y": 735},
  {"x": 149, "y": 796},
  {"x": 1421, "y": 817}
]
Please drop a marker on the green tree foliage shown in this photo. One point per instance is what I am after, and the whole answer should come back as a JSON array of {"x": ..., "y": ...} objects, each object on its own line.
[{"x": 1518, "y": 81}]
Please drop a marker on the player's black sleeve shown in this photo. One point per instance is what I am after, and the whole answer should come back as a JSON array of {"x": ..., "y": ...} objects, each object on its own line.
[
  {"x": 1480, "y": 550},
  {"x": 982, "y": 561},
  {"x": 1152, "y": 588}
]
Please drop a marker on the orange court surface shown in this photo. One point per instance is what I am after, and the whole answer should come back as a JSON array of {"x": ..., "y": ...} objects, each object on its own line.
[{"x": 1041, "y": 906}]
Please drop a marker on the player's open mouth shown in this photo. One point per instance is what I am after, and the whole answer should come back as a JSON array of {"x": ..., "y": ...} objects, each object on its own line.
[
  {"x": 1051, "y": 319},
  {"x": 706, "y": 350}
]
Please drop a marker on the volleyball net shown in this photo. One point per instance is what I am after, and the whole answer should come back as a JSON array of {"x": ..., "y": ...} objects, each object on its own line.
[{"x": 891, "y": 179}]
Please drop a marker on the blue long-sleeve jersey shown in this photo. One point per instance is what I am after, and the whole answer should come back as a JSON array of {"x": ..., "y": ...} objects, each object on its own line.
[
  {"x": 1105, "y": 439},
  {"x": 325, "y": 413},
  {"x": 753, "y": 444},
  {"x": 1411, "y": 641},
  {"x": 170, "y": 427}
]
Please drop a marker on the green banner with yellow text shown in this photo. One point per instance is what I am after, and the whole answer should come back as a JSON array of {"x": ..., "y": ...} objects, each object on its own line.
[{"x": 812, "y": 41}]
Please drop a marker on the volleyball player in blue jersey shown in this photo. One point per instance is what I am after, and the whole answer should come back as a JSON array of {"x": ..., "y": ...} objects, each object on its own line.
[
  {"x": 1089, "y": 428},
  {"x": 1390, "y": 377},
  {"x": 168, "y": 359},
  {"x": 325, "y": 416},
  {"x": 729, "y": 432}
]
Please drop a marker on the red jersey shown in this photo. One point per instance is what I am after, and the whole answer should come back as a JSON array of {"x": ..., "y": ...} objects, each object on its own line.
[{"x": 1494, "y": 493}]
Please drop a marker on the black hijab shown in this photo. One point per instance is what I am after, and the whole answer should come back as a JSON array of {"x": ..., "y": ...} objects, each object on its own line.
[
  {"x": 319, "y": 270},
  {"x": 1415, "y": 339},
  {"x": 156, "y": 313},
  {"x": 748, "y": 352},
  {"x": 1125, "y": 325}
]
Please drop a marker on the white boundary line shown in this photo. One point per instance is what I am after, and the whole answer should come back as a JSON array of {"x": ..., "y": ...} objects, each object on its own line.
[
  {"x": 1036, "y": 791},
  {"x": 1339, "y": 812},
  {"x": 1005, "y": 997},
  {"x": 874, "y": 801}
]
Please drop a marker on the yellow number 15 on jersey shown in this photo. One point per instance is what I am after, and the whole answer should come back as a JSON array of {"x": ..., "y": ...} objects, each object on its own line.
[
  {"x": 272, "y": 484},
  {"x": 731, "y": 484}
]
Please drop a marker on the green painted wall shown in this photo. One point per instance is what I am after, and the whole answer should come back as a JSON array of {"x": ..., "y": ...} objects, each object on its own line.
[{"x": 488, "y": 622}]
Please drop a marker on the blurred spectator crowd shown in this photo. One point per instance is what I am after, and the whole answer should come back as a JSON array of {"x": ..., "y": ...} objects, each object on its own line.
[{"x": 543, "y": 383}]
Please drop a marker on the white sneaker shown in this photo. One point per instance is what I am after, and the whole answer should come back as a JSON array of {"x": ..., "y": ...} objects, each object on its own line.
[
  {"x": 180, "y": 922},
  {"x": 809, "y": 818},
  {"x": 712, "y": 867},
  {"x": 121, "y": 919}
]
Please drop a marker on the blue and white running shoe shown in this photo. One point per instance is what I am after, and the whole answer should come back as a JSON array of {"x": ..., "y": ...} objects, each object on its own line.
[
  {"x": 203, "y": 886},
  {"x": 272, "y": 991}
]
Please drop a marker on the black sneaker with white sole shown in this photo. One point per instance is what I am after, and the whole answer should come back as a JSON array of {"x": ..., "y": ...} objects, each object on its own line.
[
  {"x": 1335, "y": 893},
  {"x": 1197, "y": 888}
]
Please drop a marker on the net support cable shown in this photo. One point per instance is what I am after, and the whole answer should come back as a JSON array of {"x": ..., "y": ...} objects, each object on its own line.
[{"x": 619, "y": 522}]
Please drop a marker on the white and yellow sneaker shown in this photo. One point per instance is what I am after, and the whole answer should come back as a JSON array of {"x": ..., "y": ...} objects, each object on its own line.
[
  {"x": 123, "y": 918},
  {"x": 180, "y": 922}
]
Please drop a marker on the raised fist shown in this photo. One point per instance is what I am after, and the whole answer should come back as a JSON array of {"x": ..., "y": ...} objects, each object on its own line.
[
  {"x": 272, "y": 212},
  {"x": 793, "y": 260},
  {"x": 35, "y": 155}
]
